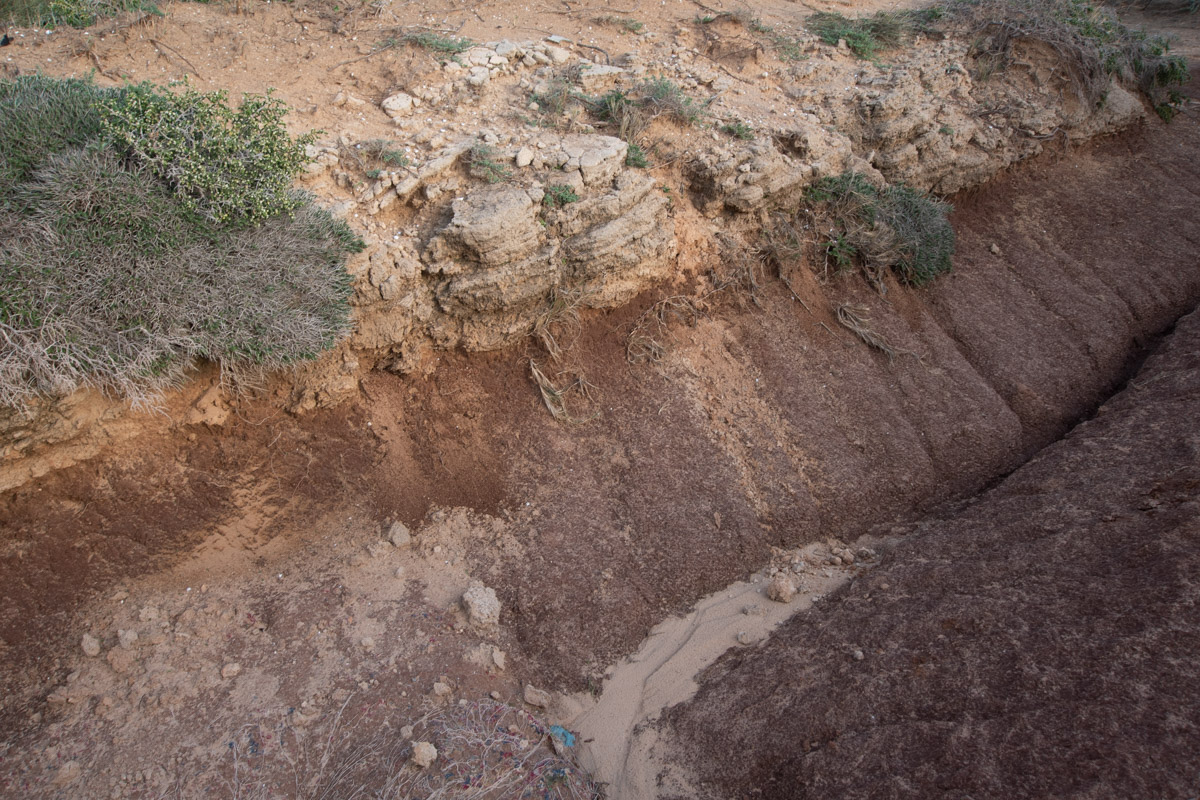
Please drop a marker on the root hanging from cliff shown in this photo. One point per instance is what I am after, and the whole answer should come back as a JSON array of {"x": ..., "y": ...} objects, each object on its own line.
[
  {"x": 555, "y": 398},
  {"x": 854, "y": 319}
]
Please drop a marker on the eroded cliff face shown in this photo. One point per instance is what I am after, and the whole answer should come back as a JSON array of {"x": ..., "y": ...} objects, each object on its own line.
[{"x": 455, "y": 262}]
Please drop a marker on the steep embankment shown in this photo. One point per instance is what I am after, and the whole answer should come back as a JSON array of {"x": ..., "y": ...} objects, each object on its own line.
[
  {"x": 1039, "y": 642},
  {"x": 764, "y": 423}
]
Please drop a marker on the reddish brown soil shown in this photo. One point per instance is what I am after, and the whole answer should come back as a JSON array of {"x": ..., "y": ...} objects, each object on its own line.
[
  {"x": 757, "y": 419},
  {"x": 1040, "y": 642},
  {"x": 766, "y": 424}
]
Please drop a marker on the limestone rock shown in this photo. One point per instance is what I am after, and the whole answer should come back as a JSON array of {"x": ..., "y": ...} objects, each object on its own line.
[
  {"x": 781, "y": 589},
  {"x": 482, "y": 606},
  {"x": 424, "y": 754},
  {"x": 398, "y": 535},
  {"x": 398, "y": 105},
  {"x": 538, "y": 698},
  {"x": 91, "y": 645}
]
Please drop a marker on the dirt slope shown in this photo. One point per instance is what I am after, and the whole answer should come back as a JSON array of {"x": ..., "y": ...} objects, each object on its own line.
[
  {"x": 766, "y": 424},
  {"x": 1040, "y": 642}
]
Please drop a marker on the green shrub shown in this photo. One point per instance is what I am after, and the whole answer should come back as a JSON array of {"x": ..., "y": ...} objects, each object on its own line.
[
  {"x": 559, "y": 195},
  {"x": 447, "y": 45},
  {"x": 865, "y": 36},
  {"x": 482, "y": 163},
  {"x": 897, "y": 228},
  {"x": 69, "y": 13},
  {"x": 636, "y": 157},
  {"x": 226, "y": 165},
  {"x": 664, "y": 96},
  {"x": 738, "y": 130},
  {"x": 109, "y": 278}
]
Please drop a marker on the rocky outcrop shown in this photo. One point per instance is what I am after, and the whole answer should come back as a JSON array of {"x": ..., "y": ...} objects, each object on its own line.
[
  {"x": 924, "y": 122},
  {"x": 456, "y": 262},
  {"x": 572, "y": 219}
]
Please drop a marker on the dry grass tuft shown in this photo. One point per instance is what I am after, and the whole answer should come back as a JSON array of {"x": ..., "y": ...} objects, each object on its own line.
[
  {"x": 644, "y": 343},
  {"x": 555, "y": 397}
]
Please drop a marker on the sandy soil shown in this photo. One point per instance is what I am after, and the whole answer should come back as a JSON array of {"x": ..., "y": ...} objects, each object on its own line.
[{"x": 249, "y": 557}]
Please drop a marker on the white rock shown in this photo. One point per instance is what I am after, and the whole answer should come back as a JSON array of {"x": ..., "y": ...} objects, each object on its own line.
[
  {"x": 127, "y": 639},
  {"x": 398, "y": 535},
  {"x": 424, "y": 754},
  {"x": 482, "y": 605},
  {"x": 524, "y": 157},
  {"x": 398, "y": 105},
  {"x": 537, "y": 697},
  {"x": 558, "y": 55},
  {"x": 781, "y": 589},
  {"x": 91, "y": 645},
  {"x": 479, "y": 76},
  {"x": 231, "y": 670}
]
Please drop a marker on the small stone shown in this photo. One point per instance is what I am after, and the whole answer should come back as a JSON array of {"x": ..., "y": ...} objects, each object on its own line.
[
  {"x": 781, "y": 589},
  {"x": 479, "y": 76},
  {"x": 441, "y": 689},
  {"x": 91, "y": 645},
  {"x": 231, "y": 670},
  {"x": 398, "y": 535},
  {"x": 424, "y": 754},
  {"x": 398, "y": 105},
  {"x": 499, "y": 658},
  {"x": 995, "y": 248},
  {"x": 482, "y": 605},
  {"x": 524, "y": 157},
  {"x": 746, "y": 638},
  {"x": 558, "y": 55},
  {"x": 494, "y": 695},
  {"x": 858, "y": 655},
  {"x": 127, "y": 639},
  {"x": 368, "y": 643},
  {"x": 537, "y": 697}
]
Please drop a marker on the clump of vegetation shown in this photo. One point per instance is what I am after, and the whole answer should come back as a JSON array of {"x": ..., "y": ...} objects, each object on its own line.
[
  {"x": 228, "y": 165},
  {"x": 868, "y": 36},
  {"x": 437, "y": 43},
  {"x": 69, "y": 13},
  {"x": 664, "y": 97},
  {"x": 627, "y": 24},
  {"x": 482, "y": 163},
  {"x": 1089, "y": 38},
  {"x": 896, "y": 228},
  {"x": 118, "y": 272},
  {"x": 375, "y": 156},
  {"x": 559, "y": 195},
  {"x": 635, "y": 156},
  {"x": 738, "y": 130}
]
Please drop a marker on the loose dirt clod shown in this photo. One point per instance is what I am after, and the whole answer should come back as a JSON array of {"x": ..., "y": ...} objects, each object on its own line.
[
  {"x": 482, "y": 606},
  {"x": 424, "y": 754}
]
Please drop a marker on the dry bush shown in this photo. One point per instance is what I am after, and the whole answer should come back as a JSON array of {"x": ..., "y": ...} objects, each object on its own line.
[
  {"x": 110, "y": 280},
  {"x": 1090, "y": 40},
  {"x": 895, "y": 228}
]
